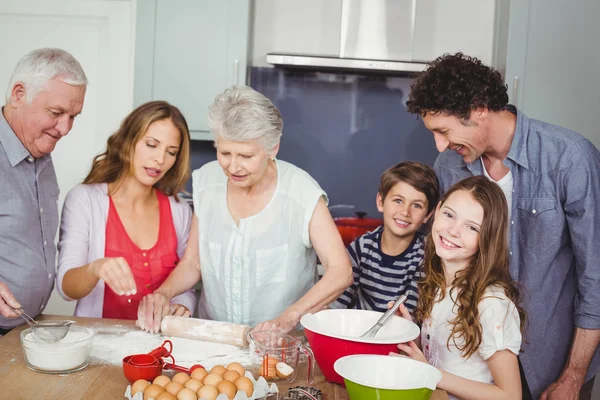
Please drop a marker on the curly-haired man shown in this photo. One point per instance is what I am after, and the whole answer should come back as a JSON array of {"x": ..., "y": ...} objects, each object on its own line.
[{"x": 551, "y": 178}]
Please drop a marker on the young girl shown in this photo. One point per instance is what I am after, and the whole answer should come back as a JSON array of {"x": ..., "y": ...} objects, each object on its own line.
[{"x": 468, "y": 305}]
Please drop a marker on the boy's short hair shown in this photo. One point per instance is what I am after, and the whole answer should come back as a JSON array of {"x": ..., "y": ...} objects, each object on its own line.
[{"x": 417, "y": 175}]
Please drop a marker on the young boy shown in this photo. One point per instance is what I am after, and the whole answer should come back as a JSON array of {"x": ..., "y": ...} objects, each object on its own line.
[{"x": 387, "y": 261}]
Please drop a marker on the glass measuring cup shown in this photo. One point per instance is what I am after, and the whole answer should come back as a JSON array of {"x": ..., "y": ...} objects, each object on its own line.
[{"x": 276, "y": 356}]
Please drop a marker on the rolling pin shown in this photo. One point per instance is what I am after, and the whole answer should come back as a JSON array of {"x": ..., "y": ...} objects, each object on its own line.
[{"x": 207, "y": 330}]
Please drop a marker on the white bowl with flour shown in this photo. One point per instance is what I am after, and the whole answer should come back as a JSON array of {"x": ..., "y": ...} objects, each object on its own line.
[{"x": 68, "y": 355}]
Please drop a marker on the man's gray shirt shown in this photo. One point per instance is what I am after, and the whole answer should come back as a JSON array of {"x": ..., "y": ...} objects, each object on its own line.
[
  {"x": 554, "y": 239},
  {"x": 28, "y": 224}
]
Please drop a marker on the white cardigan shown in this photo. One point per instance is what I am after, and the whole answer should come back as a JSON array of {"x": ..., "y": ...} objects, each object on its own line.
[{"x": 83, "y": 240}]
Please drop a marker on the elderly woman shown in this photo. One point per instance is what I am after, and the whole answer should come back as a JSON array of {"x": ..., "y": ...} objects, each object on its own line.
[{"x": 259, "y": 224}]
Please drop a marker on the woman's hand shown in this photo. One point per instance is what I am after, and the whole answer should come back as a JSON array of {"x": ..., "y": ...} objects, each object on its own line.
[
  {"x": 116, "y": 273},
  {"x": 412, "y": 350},
  {"x": 179, "y": 310},
  {"x": 151, "y": 311},
  {"x": 285, "y": 323}
]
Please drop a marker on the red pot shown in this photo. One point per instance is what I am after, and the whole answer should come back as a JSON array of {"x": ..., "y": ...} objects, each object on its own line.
[{"x": 352, "y": 227}]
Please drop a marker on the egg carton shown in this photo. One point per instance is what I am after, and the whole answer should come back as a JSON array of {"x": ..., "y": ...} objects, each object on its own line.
[{"x": 262, "y": 391}]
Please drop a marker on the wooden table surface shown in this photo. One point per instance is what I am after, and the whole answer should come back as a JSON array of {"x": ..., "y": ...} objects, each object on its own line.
[{"x": 99, "y": 380}]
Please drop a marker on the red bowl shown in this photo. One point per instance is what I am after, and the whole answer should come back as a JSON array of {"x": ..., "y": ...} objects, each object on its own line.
[
  {"x": 134, "y": 372},
  {"x": 333, "y": 334},
  {"x": 351, "y": 227}
]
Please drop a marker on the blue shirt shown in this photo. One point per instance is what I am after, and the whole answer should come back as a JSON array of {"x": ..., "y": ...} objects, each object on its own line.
[
  {"x": 380, "y": 278},
  {"x": 554, "y": 239},
  {"x": 28, "y": 224}
]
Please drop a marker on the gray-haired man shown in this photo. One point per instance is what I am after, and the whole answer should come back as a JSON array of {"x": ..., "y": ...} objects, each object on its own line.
[{"x": 45, "y": 94}]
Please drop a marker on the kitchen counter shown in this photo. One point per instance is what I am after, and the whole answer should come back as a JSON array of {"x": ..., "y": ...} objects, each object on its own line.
[{"x": 99, "y": 380}]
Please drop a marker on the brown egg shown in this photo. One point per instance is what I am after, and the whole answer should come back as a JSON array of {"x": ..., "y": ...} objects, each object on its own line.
[
  {"x": 181, "y": 377},
  {"x": 199, "y": 374},
  {"x": 231, "y": 375},
  {"x": 166, "y": 396},
  {"x": 187, "y": 394},
  {"x": 193, "y": 384},
  {"x": 208, "y": 392},
  {"x": 212, "y": 379},
  {"x": 227, "y": 388},
  {"x": 161, "y": 380},
  {"x": 153, "y": 391},
  {"x": 139, "y": 386},
  {"x": 245, "y": 385},
  {"x": 236, "y": 366},
  {"x": 218, "y": 369},
  {"x": 173, "y": 387}
]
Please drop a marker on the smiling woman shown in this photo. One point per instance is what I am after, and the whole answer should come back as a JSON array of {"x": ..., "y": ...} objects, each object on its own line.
[{"x": 124, "y": 230}]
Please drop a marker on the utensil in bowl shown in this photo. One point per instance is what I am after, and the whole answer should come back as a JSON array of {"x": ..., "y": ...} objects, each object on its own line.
[
  {"x": 371, "y": 332},
  {"x": 387, "y": 377},
  {"x": 333, "y": 334},
  {"x": 50, "y": 331},
  {"x": 267, "y": 347}
]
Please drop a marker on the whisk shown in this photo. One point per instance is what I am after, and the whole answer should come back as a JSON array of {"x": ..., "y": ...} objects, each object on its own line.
[{"x": 369, "y": 334}]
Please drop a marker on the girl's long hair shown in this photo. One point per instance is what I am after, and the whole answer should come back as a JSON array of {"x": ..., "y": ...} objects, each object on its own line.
[
  {"x": 115, "y": 163},
  {"x": 489, "y": 266}
]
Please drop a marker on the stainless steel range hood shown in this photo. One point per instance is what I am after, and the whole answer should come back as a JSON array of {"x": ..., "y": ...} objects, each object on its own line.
[{"x": 375, "y": 35}]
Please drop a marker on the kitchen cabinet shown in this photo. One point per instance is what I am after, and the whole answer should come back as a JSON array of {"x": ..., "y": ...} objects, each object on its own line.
[
  {"x": 188, "y": 51},
  {"x": 425, "y": 28}
]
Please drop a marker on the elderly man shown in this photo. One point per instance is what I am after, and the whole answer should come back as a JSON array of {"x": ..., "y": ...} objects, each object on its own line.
[
  {"x": 45, "y": 94},
  {"x": 551, "y": 179}
]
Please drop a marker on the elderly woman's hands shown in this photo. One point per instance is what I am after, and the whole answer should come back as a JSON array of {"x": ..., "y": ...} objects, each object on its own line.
[
  {"x": 285, "y": 323},
  {"x": 151, "y": 311}
]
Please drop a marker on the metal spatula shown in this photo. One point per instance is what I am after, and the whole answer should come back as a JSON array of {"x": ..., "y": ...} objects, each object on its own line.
[
  {"x": 369, "y": 334},
  {"x": 49, "y": 331}
]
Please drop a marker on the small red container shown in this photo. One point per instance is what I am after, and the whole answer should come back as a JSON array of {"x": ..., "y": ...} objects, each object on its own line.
[
  {"x": 134, "y": 372},
  {"x": 329, "y": 349}
]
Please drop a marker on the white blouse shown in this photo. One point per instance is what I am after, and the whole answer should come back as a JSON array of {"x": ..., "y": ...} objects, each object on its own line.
[
  {"x": 252, "y": 272},
  {"x": 500, "y": 325}
]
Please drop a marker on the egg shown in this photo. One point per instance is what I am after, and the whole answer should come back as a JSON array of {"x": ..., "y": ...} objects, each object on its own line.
[
  {"x": 153, "y": 391},
  {"x": 199, "y": 374},
  {"x": 231, "y": 375},
  {"x": 139, "y": 386},
  {"x": 193, "y": 384},
  {"x": 173, "y": 387},
  {"x": 187, "y": 394},
  {"x": 236, "y": 366},
  {"x": 218, "y": 369},
  {"x": 227, "y": 388},
  {"x": 244, "y": 384},
  {"x": 181, "y": 377},
  {"x": 166, "y": 396},
  {"x": 208, "y": 392},
  {"x": 161, "y": 380},
  {"x": 212, "y": 379}
]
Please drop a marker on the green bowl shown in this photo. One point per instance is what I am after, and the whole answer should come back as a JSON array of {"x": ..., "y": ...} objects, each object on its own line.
[{"x": 380, "y": 377}]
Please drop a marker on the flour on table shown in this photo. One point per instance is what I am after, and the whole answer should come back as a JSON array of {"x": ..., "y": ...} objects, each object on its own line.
[{"x": 112, "y": 344}]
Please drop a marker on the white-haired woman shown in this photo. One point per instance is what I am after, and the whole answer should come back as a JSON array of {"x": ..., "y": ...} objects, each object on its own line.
[{"x": 259, "y": 224}]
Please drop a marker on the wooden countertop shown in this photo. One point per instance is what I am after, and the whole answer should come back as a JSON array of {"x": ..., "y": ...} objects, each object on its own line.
[{"x": 99, "y": 380}]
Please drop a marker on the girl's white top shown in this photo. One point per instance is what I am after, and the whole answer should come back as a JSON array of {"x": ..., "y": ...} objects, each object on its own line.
[
  {"x": 253, "y": 272},
  {"x": 499, "y": 320}
]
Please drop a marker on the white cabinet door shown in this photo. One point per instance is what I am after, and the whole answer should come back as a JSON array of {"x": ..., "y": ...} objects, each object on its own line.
[
  {"x": 188, "y": 51},
  {"x": 100, "y": 34},
  {"x": 553, "y": 63}
]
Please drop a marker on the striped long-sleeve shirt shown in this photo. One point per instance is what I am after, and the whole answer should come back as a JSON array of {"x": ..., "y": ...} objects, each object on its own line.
[{"x": 380, "y": 278}]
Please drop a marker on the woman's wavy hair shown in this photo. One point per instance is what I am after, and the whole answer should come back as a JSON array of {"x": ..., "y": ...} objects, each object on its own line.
[
  {"x": 489, "y": 266},
  {"x": 456, "y": 84},
  {"x": 115, "y": 163}
]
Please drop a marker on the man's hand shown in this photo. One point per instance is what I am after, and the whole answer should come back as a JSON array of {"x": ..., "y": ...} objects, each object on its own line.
[
  {"x": 6, "y": 297},
  {"x": 565, "y": 388},
  {"x": 151, "y": 311}
]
